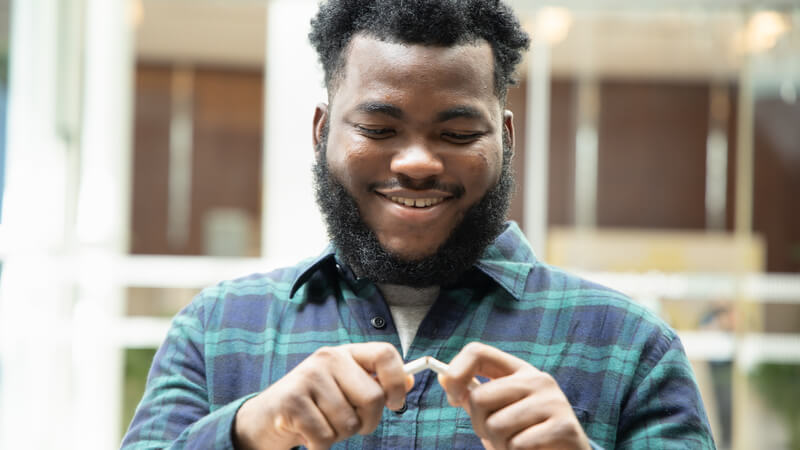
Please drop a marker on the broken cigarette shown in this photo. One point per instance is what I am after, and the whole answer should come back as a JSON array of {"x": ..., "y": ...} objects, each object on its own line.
[{"x": 431, "y": 363}]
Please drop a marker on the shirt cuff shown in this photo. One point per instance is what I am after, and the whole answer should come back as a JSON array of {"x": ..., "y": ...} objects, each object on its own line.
[
  {"x": 232, "y": 408},
  {"x": 594, "y": 446}
]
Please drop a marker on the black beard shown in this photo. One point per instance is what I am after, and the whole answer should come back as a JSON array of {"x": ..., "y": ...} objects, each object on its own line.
[{"x": 361, "y": 250}]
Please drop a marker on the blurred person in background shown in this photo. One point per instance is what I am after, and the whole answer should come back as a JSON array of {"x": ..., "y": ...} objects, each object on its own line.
[{"x": 413, "y": 176}]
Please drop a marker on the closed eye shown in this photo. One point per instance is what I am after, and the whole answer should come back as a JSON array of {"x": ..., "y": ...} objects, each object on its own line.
[
  {"x": 375, "y": 133},
  {"x": 458, "y": 138}
]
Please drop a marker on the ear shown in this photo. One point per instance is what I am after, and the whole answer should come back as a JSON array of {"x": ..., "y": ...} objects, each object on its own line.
[
  {"x": 508, "y": 125},
  {"x": 320, "y": 119}
]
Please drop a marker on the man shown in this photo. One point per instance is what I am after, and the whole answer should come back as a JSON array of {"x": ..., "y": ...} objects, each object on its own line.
[{"x": 413, "y": 177}]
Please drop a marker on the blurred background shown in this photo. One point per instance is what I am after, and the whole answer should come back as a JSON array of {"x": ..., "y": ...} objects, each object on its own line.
[{"x": 149, "y": 148}]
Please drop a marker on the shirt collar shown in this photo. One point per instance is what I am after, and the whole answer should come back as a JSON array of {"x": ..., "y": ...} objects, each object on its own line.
[
  {"x": 507, "y": 261},
  {"x": 307, "y": 268}
]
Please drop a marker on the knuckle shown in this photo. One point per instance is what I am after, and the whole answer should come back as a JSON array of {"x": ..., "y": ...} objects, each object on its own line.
[
  {"x": 292, "y": 404},
  {"x": 375, "y": 396},
  {"x": 517, "y": 444},
  {"x": 543, "y": 380},
  {"x": 478, "y": 398},
  {"x": 563, "y": 426},
  {"x": 548, "y": 379},
  {"x": 474, "y": 347},
  {"x": 384, "y": 352},
  {"x": 353, "y": 424},
  {"x": 327, "y": 436},
  {"x": 492, "y": 427},
  {"x": 523, "y": 441},
  {"x": 325, "y": 353},
  {"x": 314, "y": 377},
  {"x": 496, "y": 427},
  {"x": 348, "y": 424}
]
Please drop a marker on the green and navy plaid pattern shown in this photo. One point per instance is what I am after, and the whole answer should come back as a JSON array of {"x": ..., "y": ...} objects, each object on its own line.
[{"x": 622, "y": 369}]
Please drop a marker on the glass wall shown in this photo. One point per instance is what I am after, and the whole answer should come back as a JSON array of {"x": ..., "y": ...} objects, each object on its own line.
[
  {"x": 159, "y": 146},
  {"x": 672, "y": 175}
]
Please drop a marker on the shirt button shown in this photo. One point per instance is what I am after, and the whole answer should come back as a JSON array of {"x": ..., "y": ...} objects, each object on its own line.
[
  {"x": 378, "y": 322},
  {"x": 402, "y": 409}
]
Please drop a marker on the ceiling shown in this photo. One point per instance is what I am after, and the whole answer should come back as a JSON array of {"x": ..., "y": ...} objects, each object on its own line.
[
  {"x": 680, "y": 39},
  {"x": 212, "y": 32}
]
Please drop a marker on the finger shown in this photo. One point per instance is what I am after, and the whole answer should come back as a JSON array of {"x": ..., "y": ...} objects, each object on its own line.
[
  {"x": 409, "y": 383},
  {"x": 542, "y": 435},
  {"x": 386, "y": 363},
  {"x": 368, "y": 393},
  {"x": 309, "y": 423},
  {"x": 481, "y": 359},
  {"x": 336, "y": 408},
  {"x": 501, "y": 392},
  {"x": 491, "y": 397},
  {"x": 501, "y": 425},
  {"x": 477, "y": 359},
  {"x": 363, "y": 392}
]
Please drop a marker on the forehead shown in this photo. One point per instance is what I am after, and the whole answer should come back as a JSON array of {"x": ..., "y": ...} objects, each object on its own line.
[{"x": 378, "y": 68}]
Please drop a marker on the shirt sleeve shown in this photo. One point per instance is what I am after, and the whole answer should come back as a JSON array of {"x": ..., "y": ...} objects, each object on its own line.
[
  {"x": 175, "y": 409},
  {"x": 665, "y": 410}
]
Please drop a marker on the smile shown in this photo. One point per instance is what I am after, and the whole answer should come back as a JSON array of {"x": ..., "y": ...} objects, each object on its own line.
[{"x": 417, "y": 202}]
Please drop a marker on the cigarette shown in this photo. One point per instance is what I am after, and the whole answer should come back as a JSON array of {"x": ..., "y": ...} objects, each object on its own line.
[
  {"x": 416, "y": 366},
  {"x": 431, "y": 363}
]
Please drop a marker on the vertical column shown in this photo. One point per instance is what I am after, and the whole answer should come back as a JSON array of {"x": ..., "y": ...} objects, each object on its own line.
[
  {"x": 34, "y": 293},
  {"x": 717, "y": 157},
  {"x": 537, "y": 145},
  {"x": 102, "y": 222},
  {"x": 743, "y": 220},
  {"x": 291, "y": 223},
  {"x": 181, "y": 134},
  {"x": 586, "y": 153}
]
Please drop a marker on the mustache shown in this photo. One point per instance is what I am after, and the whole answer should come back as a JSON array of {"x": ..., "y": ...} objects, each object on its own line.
[{"x": 402, "y": 182}]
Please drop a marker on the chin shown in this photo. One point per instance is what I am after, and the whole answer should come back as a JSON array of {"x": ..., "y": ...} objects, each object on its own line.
[
  {"x": 412, "y": 248},
  {"x": 410, "y": 257},
  {"x": 405, "y": 254}
]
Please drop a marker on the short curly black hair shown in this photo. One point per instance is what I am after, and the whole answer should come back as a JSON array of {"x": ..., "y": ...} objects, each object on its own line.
[{"x": 425, "y": 22}]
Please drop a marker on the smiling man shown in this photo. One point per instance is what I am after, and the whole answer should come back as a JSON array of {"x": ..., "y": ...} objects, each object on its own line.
[{"x": 413, "y": 177}]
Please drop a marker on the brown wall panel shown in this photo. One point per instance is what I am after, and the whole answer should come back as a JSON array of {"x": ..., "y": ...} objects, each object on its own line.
[
  {"x": 652, "y": 155},
  {"x": 776, "y": 196},
  {"x": 227, "y": 146},
  {"x": 561, "y": 183},
  {"x": 150, "y": 160},
  {"x": 226, "y": 153}
]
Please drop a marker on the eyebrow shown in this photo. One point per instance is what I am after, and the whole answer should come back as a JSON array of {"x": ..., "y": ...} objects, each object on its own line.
[
  {"x": 466, "y": 112},
  {"x": 380, "y": 108}
]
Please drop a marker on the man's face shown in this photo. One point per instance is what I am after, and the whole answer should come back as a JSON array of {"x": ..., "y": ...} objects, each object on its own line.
[{"x": 415, "y": 136}]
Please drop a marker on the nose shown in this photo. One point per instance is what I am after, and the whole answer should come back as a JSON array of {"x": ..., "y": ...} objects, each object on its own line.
[{"x": 417, "y": 162}]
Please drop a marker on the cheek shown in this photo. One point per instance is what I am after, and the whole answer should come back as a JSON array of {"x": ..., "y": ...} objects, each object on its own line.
[
  {"x": 351, "y": 161},
  {"x": 482, "y": 169}
]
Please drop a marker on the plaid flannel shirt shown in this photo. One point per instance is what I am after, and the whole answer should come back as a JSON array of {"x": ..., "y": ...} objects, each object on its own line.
[{"x": 623, "y": 370}]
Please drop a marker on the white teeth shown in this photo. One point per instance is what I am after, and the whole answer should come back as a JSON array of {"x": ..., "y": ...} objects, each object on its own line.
[{"x": 417, "y": 202}]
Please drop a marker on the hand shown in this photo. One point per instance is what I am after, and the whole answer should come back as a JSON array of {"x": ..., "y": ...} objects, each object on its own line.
[
  {"x": 333, "y": 394},
  {"x": 520, "y": 407}
]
